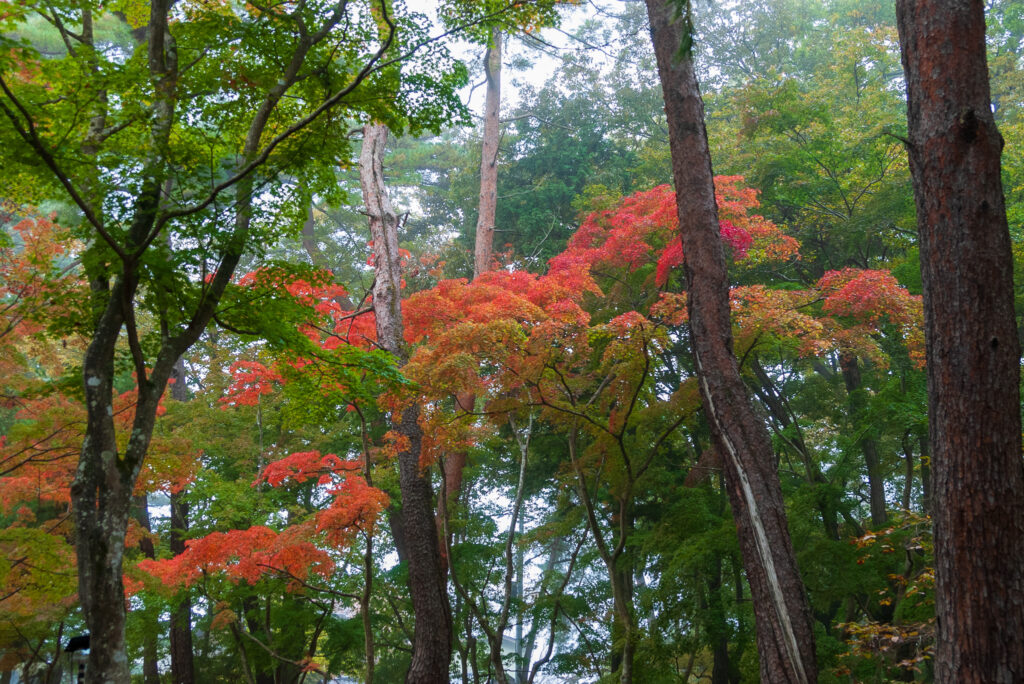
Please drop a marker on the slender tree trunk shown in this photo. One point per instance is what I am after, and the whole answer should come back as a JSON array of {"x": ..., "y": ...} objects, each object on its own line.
[
  {"x": 784, "y": 632},
  {"x": 778, "y": 407},
  {"x": 489, "y": 158},
  {"x": 972, "y": 345},
  {"x": 150, "y": 671},
  {"x": 850, "y": 367},
  {"x": 623, "y": 654},
  {"x": 455, "y": 463},
  {"x": 908, "y": 471},
  {"x": 182, "y": 662},
  {"x": 432, "y": 635}
]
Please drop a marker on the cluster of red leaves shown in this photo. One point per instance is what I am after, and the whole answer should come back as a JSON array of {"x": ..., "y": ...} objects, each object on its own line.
[
  {"x": 644, "y": 228},
  {"x": 494, "y": 295},
  {"x": 38, "y": 458},
  {"x": 736, "y": 205},
  {"x": 296, "y": 552},
  {"x": 250, "y": 381},
  {"x": 321, "y": 294},
  {"x": 844, "y": 311},
  {"x": 242, "y": 555},
  {"x": 355, "y": 508},
  {"x": 34, "y": 291},
  {"x": 330, "y": 324},
  {"x": 305, "y": 465}
]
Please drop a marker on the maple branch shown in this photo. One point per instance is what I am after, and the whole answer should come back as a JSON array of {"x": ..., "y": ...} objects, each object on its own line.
[
  {"x": 588, "y": 504},
  {"x": 661, "y": 438},
  {"x": 128, "y": 311},
  {"x": 243, "y": 656},
  {"x": 401, "y": 622},
  {"x": 31, "y": 137},
  {"x": 289, "y": 574},
  {"x": 306, "y": 665},
  {"x": 563, "y": 409}
]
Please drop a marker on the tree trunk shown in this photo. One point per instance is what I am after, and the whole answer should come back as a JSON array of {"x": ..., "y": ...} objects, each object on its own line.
[
  {"x": 432, "y": 635},
  {"x": 784, "y": 632},
  {"x": 926, "y": 477},
  {"x": 150, "y": 671},
  {"x": 182, "y": 663},
  {"x": 876, "y": 483},
  {"x": 489, "y": 158},
  {"x": 972, "y": 346},
  {"x": 624, "y": 635},
  {"x": 455, "y": 463}
]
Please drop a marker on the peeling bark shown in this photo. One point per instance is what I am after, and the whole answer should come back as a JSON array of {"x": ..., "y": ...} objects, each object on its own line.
[{"x": 432, "y": 633}]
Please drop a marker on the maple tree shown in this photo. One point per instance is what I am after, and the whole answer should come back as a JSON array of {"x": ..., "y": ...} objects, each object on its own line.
[
  {"x": 129, "y": 242},
  {"x": 520, "y": 481}
]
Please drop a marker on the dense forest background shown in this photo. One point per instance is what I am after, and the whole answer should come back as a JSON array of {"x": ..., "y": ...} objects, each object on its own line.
[{"x": 579, "y": 502}]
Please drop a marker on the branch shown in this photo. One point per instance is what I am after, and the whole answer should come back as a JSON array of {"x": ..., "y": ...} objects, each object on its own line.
[
  {"x": 31, "y": 137},
  {"x": 373, "y": 65}
]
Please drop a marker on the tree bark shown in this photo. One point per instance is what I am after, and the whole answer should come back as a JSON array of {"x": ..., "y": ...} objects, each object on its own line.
[
  {"x": 489, "y": 158},
  {"x": 182, "y": 661},
  {"x": 972, "y": 346},
  {"x": 455, "y": 463},
  {"x": 784, "y": 628},
  {"x": 432, "y": 633},
  {"x": 150, "y": 671}
]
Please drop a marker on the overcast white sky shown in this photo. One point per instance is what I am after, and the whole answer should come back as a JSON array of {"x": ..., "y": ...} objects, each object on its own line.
[{"x": 543, "y": 65}]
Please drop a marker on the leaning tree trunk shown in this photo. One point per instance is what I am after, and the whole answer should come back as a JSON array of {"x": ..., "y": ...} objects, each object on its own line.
[
  {"x": 972, "y": 347},
  {"x": 784, "y": 629},
  {"x": 432, "y": 635}
]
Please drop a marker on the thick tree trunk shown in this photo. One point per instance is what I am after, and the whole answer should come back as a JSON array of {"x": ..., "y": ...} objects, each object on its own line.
[
  {"x": 489, "y": 158},
  {"x": 432, "y": 635},
  {"x": 868, "y": 447},
  {"x": 972, "y": 345},
  {"x": 784, "y": 632},
  {"x": 101, "y": 494}
]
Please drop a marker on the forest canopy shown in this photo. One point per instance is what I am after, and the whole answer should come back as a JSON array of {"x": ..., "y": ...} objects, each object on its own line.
[{"x": 472, "y": 341}]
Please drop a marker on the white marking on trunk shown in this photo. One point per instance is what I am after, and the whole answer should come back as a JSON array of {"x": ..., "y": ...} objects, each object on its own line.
[{"x": 760, "y": 538}]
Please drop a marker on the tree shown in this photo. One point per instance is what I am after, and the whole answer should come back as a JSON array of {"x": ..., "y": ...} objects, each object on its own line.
[
  {"x": 785, "y": 637},
  {"x": 156, "y": 177},
  {"x": 972, "y": 344},
  {"x": 432, "y": 640}
]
